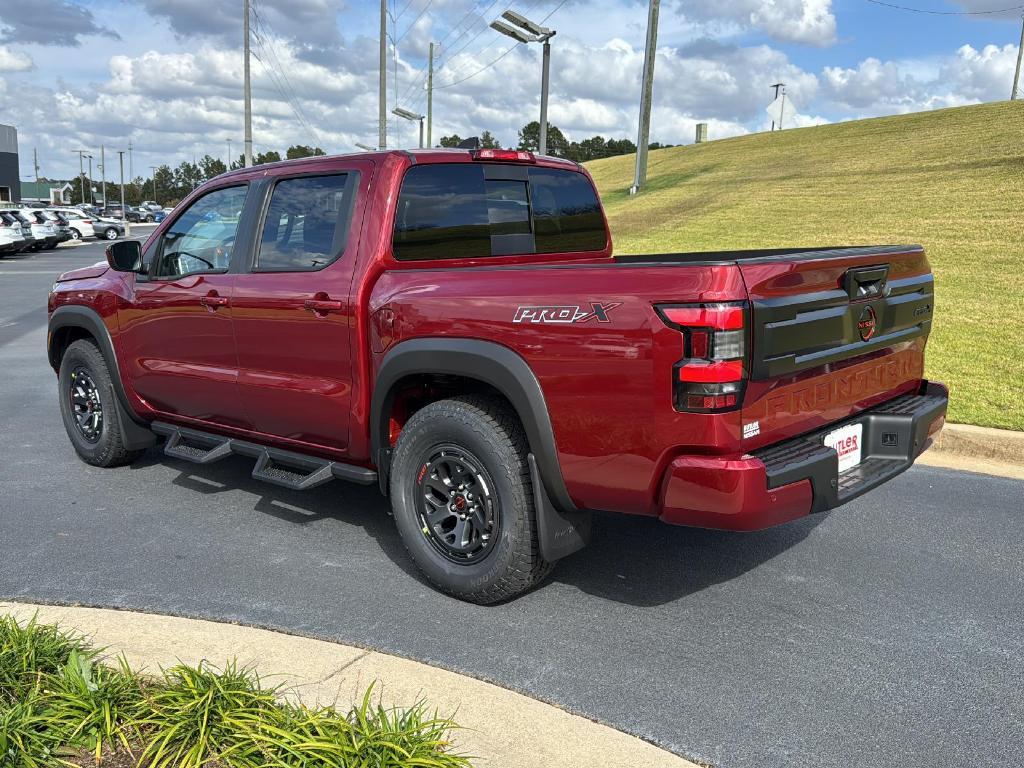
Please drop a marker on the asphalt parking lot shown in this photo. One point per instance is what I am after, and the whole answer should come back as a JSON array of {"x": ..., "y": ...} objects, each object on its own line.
[{"x": 886, "y": 633}]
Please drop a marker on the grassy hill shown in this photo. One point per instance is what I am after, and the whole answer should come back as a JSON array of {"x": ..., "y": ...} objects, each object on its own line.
[{"x": 952, "y": 180}]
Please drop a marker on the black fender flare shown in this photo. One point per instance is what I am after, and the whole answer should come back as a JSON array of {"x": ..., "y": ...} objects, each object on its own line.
[
  {"x": 135, "y": 434},
  {"x": 562, "y": 527}
]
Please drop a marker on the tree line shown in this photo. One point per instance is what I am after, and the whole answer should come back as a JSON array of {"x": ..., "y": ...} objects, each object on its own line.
[{"x": 593, "y": 148}]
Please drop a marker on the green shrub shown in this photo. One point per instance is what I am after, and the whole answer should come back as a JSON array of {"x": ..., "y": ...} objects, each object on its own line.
[{"x": 59, "y": 705}]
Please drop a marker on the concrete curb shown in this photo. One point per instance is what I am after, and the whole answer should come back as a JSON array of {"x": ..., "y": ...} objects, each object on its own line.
[
  {"x": 978, "y": 449},
  {"x": 500, "y": 728}
]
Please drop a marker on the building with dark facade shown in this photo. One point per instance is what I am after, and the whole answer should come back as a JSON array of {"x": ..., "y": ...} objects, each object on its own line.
[{"x": 10, "y": 173}]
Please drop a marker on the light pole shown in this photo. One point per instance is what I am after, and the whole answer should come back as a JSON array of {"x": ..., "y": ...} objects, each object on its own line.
[
  {"x": 81, "y": 169},
  {"x": 103, "y": 173},
  {"x": 124, "y": 213},
  {"x": 366, "y": 147},
  {"x": 248, "y": 91},
  {"x": 153, "y": 169},
  {"x": 92, "y": 200},
  {"x": 412, "y": 116},
  {"x": 526, "y": 31}
]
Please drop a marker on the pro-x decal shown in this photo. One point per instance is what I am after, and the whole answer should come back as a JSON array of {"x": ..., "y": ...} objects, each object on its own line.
[{"x": 565, "y": 314}]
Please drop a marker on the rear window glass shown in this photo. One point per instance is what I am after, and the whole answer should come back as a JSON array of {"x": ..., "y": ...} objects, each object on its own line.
[
  {"x": 566, "y": 214},
  {"x": 453, "y": 211}
]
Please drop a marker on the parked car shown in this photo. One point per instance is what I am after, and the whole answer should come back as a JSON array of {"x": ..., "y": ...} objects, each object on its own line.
[
  {"x": 159, "y": 216},
  {"x": 460, "y": 334},
  {"x": 132, "y": 215},
  {"x": 79, "y": 221},
  {"x": 15, "y": 218},
  {"x": 151, "y": 205},
  {"x": 44, "y": 230},
  {"x": 60, "y": 224},
  {"x": 11, "y": 238}
]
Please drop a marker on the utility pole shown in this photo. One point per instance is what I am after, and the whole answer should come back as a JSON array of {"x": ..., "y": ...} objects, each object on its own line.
[
  {"x": 430, "y": 98},
  {"x": 92, "y": 200},
  {"x": 35, "y": 165},
  {"x": 248, "y": 92},
  {"x": 153, "y": 169},
  {"x": 230, "y": 161},
  {"x": 646, "y": 97},
  {"x": 103, "y": 173},
  {"x": 131, "y": 163},
  {"x": 382, "y": 140},
  {"x": 124, "y": 213},
  {"x": 1020, "y": 55}
]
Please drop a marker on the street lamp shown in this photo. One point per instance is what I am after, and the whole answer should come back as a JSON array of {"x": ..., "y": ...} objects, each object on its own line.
[
  {"x": 366, "y": 147},
  {"x": 405, "y": 113},
  {"x": 526, "y": 31},
  {"x": 153, "y": 169}
]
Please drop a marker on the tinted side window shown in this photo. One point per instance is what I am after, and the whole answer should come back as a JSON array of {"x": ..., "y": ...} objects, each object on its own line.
[
  {"x": 307, "y": 223},
  {"x": 202, "y": 238},
  {"x": 566, "y": 213},
  {"x": 442, "y": 213}
]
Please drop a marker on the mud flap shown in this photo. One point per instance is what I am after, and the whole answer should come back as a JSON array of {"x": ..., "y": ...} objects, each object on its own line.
[{"x": 559, "y": 533}]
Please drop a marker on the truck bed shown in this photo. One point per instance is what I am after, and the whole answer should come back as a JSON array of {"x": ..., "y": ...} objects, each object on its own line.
[{"x": 766, "y": 254}]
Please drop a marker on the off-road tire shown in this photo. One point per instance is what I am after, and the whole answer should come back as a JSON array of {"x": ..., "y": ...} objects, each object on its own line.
[
  {"x": 108, "y": 450},
  {"x": 491, "y": 432}
]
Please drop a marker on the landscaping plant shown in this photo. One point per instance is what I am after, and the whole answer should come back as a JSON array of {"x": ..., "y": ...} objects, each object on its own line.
[{"x": 62, "y": 704}]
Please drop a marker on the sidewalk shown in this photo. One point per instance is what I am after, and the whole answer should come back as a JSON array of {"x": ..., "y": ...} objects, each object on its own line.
[
  {"x": 997, "y": 452},
  {"x": 500, "y": 728}
]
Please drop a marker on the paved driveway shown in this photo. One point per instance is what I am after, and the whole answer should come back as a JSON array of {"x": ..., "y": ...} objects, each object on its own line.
[{"x": 887, "y": 633}]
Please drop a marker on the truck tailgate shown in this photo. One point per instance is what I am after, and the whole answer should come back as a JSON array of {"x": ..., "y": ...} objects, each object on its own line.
[{"x": 833, "y": 332}]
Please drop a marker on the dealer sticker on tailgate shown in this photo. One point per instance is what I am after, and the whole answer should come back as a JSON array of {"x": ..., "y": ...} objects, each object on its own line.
[{"x": 846, "y": 441}]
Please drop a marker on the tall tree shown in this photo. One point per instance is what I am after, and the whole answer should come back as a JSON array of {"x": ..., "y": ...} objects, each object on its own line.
[
  {"x": 529, "y": 139},
  {"x": 488, "y": 141},
  {"x": 211, "y": 166},
  {"x": 166, "y": 188},
  {"x": 271, "y": 156},
  {"x": 451, "y": 141},
  {"x": 187, "y": 177},
  {"x": 301, "y": 150}
]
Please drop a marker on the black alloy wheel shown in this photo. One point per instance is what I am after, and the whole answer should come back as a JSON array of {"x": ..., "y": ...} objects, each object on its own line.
[
  {"x": 457, "y": 509},
  {"x": 86, "y": 405}
]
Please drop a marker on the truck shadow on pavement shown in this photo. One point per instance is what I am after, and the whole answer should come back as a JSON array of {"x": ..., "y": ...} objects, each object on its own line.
[{"x": 631, "y": 560}]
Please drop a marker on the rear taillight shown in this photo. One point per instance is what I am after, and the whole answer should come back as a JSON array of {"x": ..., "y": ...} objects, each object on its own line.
[{"x": 712, "y": 374}]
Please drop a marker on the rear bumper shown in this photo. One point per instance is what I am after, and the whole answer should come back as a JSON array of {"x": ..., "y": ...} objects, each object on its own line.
[{"x": 794, "y": 478}]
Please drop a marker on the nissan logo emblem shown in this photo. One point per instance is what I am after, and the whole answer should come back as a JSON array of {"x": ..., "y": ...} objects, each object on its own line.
[{"x": 866, "y": 324}]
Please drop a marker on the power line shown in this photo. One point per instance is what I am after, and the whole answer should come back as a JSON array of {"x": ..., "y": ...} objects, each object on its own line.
[{"x": 947, "y": 13}]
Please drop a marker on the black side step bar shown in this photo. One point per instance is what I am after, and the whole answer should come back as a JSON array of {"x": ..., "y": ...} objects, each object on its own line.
[{"x": 297, "y": 471}]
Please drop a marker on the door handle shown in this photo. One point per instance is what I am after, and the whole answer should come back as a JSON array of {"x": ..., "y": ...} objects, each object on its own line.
[
  {"x": 213, "y": 301},
  {"x": 322, "y": 306}
]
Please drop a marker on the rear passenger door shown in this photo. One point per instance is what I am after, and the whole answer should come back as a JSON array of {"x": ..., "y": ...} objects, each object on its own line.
[{"x": 293, "y": 310}]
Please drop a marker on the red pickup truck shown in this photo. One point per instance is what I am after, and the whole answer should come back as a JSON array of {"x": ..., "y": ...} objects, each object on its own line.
[{"x": 452, "y": 325}]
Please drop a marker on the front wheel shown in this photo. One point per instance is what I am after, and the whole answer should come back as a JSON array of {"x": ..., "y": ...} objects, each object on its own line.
[
  {"x": 463, "y": 499},
  {"x": 88, "y": 406},
  {"x": 110, "y": 233},
  {"x": 76, "y": 235}
]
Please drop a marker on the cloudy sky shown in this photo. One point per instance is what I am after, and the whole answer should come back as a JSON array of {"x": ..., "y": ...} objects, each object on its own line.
[{"x": 166, "y": 75}]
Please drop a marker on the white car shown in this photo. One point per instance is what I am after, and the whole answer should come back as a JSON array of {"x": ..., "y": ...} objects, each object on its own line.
[
  {"x": 80, "y": 222},
  {"x": 11, "y": 238},
  {"x": 43, "y": 230}
]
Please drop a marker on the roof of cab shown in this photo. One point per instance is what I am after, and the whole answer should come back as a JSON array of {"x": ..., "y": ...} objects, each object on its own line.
[{"x": 416, "y": 156}]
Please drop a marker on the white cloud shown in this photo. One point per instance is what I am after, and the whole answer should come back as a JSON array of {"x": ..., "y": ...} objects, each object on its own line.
[
  {"x": 795, "y": 21},
  {"x": 969, "y": 76},
  {"x": 14, "y": 61}
]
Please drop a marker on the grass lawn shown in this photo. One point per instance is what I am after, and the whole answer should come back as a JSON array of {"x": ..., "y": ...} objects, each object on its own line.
[{"x": 952, "y": 180}]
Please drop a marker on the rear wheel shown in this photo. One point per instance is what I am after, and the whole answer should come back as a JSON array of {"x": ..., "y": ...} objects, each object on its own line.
[
  {"x": 76, "y": 235},
  {"x": 463, "y": 499},
  {"x": 88, "y": 406},
  {"x": 110, "y": 233}
]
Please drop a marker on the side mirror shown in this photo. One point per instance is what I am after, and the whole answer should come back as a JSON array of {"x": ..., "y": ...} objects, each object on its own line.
[{"x": 125, "y": 256}]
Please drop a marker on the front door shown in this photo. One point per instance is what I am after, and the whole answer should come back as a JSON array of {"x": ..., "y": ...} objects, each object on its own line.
[
  {"x": 293, "y": 312},
  {"x": 176, "y": 333}
]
